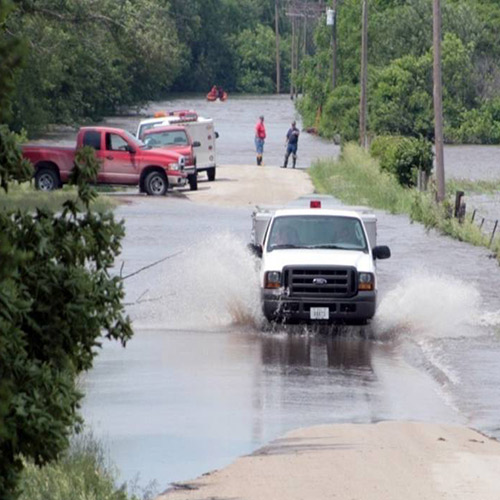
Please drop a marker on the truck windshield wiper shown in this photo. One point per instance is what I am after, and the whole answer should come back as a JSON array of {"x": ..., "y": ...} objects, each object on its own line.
[
  {"x": 328, "y": 246},
  {"x": 286, "y": 245}
]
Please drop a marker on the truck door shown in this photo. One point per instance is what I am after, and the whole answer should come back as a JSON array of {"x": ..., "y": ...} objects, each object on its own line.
[
  {"x": 119, "y": 160},
  {"x": 92, "y": 138}
]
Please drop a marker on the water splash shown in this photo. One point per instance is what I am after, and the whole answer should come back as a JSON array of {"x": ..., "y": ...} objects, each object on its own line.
[
  {"x": 490, "y": 319},
  {"x": 212, "y": 284},
  {"x": 430, "y": 305}
]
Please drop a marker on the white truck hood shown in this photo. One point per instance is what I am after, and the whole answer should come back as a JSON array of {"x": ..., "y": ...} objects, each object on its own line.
[{"x": 277, "y": 259}]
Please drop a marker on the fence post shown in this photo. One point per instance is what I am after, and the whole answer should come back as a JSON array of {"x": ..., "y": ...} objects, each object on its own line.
[
  {"x": 458, "y": 202},
  {"x": 473, "y": 215},
  {"x": 493, "y": 233}
]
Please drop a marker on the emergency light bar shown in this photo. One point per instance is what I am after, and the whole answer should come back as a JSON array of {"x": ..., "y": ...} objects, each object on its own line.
[
  {"x": 182, "y": 114},
  {"x": 315, "y": 204}
]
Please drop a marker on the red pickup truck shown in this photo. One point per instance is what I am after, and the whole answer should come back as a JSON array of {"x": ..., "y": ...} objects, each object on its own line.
[
  {"x": 175, "y": 138},
  {"x": 124, "y": 160}
]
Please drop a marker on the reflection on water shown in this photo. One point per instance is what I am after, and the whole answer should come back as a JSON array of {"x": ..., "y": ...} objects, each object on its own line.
[{"x": 342, "y": 353}]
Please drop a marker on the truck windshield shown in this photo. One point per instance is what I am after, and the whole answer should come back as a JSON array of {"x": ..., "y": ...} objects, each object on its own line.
[
  {"x": 166, "y": 138},
  {"x": 147, "y": 126},
  {"x": 133, "y": 140},
  {"x": 317, "y": 231}
]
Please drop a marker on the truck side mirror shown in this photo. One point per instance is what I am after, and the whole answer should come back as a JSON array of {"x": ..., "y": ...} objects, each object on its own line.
[
  {"x": 216, "y": 135},
  {"x": 196, "y": 144},
  {"x": 255, "y": 249},
  {"x": 130, "y": 148},
  {"x": 381, "y": 252}
]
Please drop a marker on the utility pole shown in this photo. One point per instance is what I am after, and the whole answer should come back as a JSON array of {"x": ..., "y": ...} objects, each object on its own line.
[
  {"x": 304, "y": 48},
  {"x": 363, "y": 78},
  {"x": 438, "y": 102},
  {"x": 292, "y": 76},
  {"x": 334, "y": 44},
  {"x": 296, "y": 9},
  {"x": 277, "y": 31}
]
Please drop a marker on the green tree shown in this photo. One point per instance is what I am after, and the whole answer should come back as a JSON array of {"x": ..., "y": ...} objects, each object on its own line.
[
  {"x": 401, "y": 100},
  {"x": 58, "y": 299},
  {"x": 87, "y": 59},
  {"x": 400, "y": 70},
  {"x": 255, "y": 52}
]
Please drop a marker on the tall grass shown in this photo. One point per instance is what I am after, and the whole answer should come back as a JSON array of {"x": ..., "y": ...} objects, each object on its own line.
[
  {"x": 355, "y": 178},
  {"x": 83, "y": 473},
  {"x": 25, "y": 196}
]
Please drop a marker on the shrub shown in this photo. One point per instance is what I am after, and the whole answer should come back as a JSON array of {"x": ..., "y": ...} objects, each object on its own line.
[
  {"x": 341, "y": 114},
  {"x": 403, "y": 157}
]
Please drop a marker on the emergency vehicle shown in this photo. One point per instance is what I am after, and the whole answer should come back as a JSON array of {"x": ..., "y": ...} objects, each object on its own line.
[{"x": 200, "y": 130}]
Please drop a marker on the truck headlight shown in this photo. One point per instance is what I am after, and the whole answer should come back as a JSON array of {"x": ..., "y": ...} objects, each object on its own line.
[
  {"x": 272, "y": 279},
  {"x": 174, "y": 166},
  {"x": 366, "y": 281}
]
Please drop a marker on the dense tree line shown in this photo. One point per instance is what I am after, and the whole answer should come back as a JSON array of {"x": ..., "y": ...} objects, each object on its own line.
[
  {"x": 400, "y": 71},
  {"x": 88, "y": 58}
]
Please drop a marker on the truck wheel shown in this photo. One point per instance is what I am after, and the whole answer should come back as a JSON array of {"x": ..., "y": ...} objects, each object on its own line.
[
  {"x": 46, "y": 179},
  {"x": 193, "y": 182},
  {"x": 156, "y": 184},
  {"x": 211, "y": 173}
]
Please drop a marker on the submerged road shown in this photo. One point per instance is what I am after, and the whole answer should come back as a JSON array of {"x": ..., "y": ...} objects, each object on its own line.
[{"x": 205, "y": 380}]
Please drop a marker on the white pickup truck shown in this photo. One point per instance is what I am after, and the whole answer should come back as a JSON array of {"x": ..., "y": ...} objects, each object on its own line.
[{"x": 317, "y": 264}]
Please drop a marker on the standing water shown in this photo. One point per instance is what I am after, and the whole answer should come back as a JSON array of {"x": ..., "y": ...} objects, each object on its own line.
[{"x": 204, "y": 380}]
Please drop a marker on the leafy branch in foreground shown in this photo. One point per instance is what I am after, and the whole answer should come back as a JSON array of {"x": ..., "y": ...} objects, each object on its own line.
[{"x": 57, "y": 300}]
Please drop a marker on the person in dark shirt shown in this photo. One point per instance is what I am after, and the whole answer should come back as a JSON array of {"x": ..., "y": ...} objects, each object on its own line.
[{"x": 292, "y": 142}]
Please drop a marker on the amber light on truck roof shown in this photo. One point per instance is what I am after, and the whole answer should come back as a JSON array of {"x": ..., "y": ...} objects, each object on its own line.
[{"x": 315, "y": 204}]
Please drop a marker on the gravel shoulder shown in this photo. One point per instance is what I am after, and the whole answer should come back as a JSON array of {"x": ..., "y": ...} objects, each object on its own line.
[{"x": 247, "y": 185}]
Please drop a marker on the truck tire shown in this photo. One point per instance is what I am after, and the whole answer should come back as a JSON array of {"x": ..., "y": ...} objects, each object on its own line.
[
  {"x": 46, "y": 179},
  {"x": 193, "y": 182},
  {"x": 156, "y": 183},
  {"x": 211, "y": 173}
]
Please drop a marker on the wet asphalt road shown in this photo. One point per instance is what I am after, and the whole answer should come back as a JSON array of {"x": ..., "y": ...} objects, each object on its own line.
[{"x": 204, "y": 380}]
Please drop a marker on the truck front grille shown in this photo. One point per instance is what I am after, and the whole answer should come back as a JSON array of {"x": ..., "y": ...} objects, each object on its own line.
[{"x": 321, "y": 282}]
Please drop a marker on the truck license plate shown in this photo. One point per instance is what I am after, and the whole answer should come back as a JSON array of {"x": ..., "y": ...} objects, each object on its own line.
[{"x": 319, "y": 313}]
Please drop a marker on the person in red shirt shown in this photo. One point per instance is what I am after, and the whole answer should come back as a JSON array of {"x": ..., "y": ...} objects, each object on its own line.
[{"x": 260, "y": 138}]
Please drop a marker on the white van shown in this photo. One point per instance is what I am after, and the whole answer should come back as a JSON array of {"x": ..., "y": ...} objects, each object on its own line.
[{"x": 200, "y": 129}]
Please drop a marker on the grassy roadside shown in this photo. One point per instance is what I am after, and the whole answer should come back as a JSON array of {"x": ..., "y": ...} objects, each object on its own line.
[
  {"x": 355, "y": 178},
  {"x": 83, "y": 473},
  {"x": 25, "y": 196}
]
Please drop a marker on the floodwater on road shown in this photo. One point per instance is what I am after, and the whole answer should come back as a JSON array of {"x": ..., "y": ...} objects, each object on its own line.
[{"x": 204, "y": 380}]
